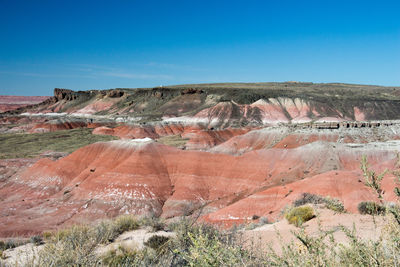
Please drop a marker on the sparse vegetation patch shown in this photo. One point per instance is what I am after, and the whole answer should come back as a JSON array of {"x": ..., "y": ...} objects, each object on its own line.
[
  {"x": 371, "y": 208},
  {"x": 173, "y": 140},
  {"x": 299, "y": 215},
  {"x": 329, "y": 203},
  {"x": 32, "y": 145}
]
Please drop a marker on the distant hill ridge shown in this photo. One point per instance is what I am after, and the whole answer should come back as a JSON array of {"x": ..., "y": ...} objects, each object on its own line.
[{"x": 230, "y": 104}]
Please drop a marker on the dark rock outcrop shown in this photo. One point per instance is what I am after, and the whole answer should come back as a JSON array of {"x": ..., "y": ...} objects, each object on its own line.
[{"x": 66, "y": 94}]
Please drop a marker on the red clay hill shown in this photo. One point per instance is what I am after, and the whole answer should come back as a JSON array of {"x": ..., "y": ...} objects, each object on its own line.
[{"x": 233, "y": 152}]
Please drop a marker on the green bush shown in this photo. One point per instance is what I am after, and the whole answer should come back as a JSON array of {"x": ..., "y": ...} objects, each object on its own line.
[
  {"x": 371, "y": 208},
  {"x": 299, "y": 215}
]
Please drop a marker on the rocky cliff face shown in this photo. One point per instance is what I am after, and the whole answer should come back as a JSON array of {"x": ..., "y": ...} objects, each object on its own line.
[{"x": 66, "y": 94}]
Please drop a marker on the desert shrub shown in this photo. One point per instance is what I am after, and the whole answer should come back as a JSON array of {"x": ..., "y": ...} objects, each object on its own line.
[
  {"x": 4, "y": 245},
  {"x": 371, "y": 208},
  {"x": 105, "y": 232},
  {"x": 394, "y": 210},
  {"x": 262, "y": 220},
  {"x": 308, "y": 198},
  {"x": 37, "y": 240},
  {"x": 47, "y": 235},
  {"x": 2, "y": 256},
  {"x": 203, "y": 245},
  {"x": 372, "y": 179},
  {"x": 210, "y": 250},
  {"x": 154, "y": 222},
  {"x": 330, "y": 203},
  {"x": 299, "y": 215},
  {"x": 122, "y": 257},
  {"x": 305, "y": 250},
  {"x": 125, "y": 223},
  {"x": 157, "y": 242},
  {"x": 255, "y": 217},
  {"x": 194, "y": 245},
  {"x": 74, "y": 246},
  {"x": 334, "y": 204}
]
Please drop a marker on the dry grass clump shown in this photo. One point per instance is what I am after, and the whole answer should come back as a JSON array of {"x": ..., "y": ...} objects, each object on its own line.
[
  {"x": 334, "y": 204},
  {"x": 371, "y": 208},
  {"x": 125, "y": 223},
  {"x": 329, "y": 203},
  {"x": 371, "y": 177},
  {"x": 122, "y": 257},
  {"x": 75, "y": 246},
  {"x": 261, "y": 221},
  {"x": 36, "y": 240},
  {"x": 11, "y": 243},
  {"x": 299, "y": 215},
  {"x": 157, "y": 242},
  {"x": 156, "y": 223}
]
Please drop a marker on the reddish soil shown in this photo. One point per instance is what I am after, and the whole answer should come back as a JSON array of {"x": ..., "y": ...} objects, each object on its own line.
[{"x": 145, "y": 177}]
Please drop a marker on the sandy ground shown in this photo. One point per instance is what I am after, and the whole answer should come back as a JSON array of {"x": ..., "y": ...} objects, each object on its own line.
[{"x": 276, "y": 234}]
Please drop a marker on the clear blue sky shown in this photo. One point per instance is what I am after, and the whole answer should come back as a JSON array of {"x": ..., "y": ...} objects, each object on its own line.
[{"x": 107, "y": 44}]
